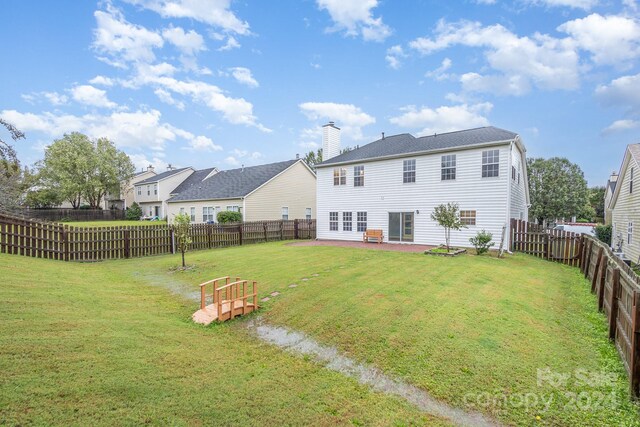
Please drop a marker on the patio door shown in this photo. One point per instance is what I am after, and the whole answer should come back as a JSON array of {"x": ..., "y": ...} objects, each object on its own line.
[{"x": 401, "y": 226}]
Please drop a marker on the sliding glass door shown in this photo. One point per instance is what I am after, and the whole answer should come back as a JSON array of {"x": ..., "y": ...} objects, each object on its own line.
[{"x": 401, "y": 226}]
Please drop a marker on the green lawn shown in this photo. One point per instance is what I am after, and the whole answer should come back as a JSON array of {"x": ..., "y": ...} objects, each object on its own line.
[
  {"x": 113, "y": 340},
  {"x": 114, "y": 223}
]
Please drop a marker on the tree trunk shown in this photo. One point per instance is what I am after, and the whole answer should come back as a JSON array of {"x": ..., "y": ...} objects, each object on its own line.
[{"x": 183, "y": 264}]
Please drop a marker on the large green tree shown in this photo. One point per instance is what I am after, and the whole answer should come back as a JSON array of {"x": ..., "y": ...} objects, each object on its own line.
[
  {"x": 557, "y": 189},
  {"x": 81, "y": 169},
  {"x": 10, "y": 173},
  {"x": 314, "y": 157},
  {"x": 596, "y": 200}
]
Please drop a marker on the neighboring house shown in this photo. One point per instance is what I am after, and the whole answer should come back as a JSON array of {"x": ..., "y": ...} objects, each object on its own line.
[
  {"x": 625, "y": 205},
  {"x": 125, "y": 198},
  {"x": 152, "y": 193},
  {"x": 283, "y": 190},
  {"x": 394, "y": 184},
  {"x": 608, "y": 195}
]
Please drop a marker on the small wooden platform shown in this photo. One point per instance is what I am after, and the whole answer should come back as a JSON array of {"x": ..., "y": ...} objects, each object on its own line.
[
  {"x": 227, "y": 301},
  {"x": 210, "y": 312}
]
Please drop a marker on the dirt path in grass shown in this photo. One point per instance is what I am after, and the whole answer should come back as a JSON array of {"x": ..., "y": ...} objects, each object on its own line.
[{"x": 299, "y": 343}]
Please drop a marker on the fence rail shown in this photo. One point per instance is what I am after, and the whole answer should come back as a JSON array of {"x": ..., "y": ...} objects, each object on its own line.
[
  {"x": 71, "y": 214},
  {"x": 37, "y": 239},
  {"x": 615, "y": 284}
]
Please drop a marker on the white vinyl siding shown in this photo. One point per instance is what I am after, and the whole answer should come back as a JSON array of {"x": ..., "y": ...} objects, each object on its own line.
[
  {"x": 518, "y": 203},
  {"x": 385, "y": 192}
]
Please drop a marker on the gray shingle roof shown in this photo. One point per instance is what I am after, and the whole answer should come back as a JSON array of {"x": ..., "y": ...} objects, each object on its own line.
[
  {"x": 405, "y": 143},
  {"x": 160, "y": 176},
  {"x": 234, "y": 183},
  {"x": 195, "y": 178}
]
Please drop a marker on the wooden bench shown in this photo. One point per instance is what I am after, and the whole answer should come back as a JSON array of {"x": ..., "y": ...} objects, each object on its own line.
[{"x": 373, "y": 234}]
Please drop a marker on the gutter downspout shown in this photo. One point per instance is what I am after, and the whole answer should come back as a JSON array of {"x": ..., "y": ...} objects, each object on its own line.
[{"x": 508, "y": 216}]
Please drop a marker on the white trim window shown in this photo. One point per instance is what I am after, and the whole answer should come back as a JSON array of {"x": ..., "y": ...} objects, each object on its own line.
[
  {"x": 307, "y": 213},
  {"x": 139, "y": 190},
  {"x": 358, "y": 176},
  {"x": 408, "y": 171},
  {"x": 333, "y": 221},
  {"x": 468, "y": 217},
  {"x": 347, "y": 221},
  {"x": 208, "y": 214},
  {"x": 193, "y": 214},
  {"x": 234, "y": 208},
  {"x": 340, "y": 176},
  {"x": 448, "y": 171},
  {"x": 155, "y": 189},
  {"x": 181, "y": 211},
  {"x": 490, "y": 163},
  {"x": 629, "y": 232},
  {"x": 148, "y": 190},
  {"x": 362, "y": 221},
  {"x": 285, "y": 213}
]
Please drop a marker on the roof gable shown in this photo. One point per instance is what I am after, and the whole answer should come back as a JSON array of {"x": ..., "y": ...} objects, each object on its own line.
[
  {"x": 407, "y": 144},
  {"x": 161, "y": 176},
  {"x": 232, "y": 184},
  {"x": 631, "y": 155}
]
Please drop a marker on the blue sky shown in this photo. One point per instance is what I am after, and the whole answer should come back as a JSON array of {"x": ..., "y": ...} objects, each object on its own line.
[{"x": 224, "y": 83}]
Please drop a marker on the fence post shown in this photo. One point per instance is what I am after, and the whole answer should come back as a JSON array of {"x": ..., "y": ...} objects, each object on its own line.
[
  {"x": 634, "y": 364},
  {"x": 594, "y": 280},
  {"x": 127, "y": 243},
  {"x": 65, "y": 243},
  {"x": 172, "y": 239},
  {"x": 266, "y": 237},
  {"x": 615, "y": 288},
  {"x": 240, "y": 226},
  {"x": 295, "y": 229}
]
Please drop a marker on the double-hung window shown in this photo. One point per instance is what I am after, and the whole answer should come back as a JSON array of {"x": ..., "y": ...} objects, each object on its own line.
[
  {"x": 181, "y": 211},
  {"x": 358, "y": 176},
  {"x": 307, "y": 213},
  {"x": 233, "y": 208},
  {"x": 140, "y": 190},
  {"x": 340, "y": 176},
  {"x": 408, "y": 171},
  {"x": 285, "y": 213},
  {"x": 148, "y": 190},
  {"x": 490, "y": 163},
  {"x": 448, "y": 167},
  {"x": 155, "y": 188},
  {"x": 208, "y": 213},
  {"x": 362, "y": 221},
  {"x": 468, "y": 217},
  {"x": 333, "y": 221},
  {"x": 347, "y": 221},
  {"x": 193, "y": 214}
]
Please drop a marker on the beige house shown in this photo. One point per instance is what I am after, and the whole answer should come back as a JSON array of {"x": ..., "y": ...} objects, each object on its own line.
[
  {"x": 625, "y": 206},
  {"x": 126, "y": 197},
  {"x": 608, "y": 195},
  {"x": 152, "y": 193},
  {"x": 283, "y": 190}
]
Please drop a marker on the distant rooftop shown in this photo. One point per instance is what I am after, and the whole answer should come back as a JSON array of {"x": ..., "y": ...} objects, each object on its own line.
[{"x": 160, "y": 176}]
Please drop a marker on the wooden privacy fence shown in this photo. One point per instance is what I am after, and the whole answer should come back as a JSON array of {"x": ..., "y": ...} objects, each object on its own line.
[
  {"x": 615, "y": 284},
  {"x": 72, "y": 214},
  {"x": 63, "y": 242}
]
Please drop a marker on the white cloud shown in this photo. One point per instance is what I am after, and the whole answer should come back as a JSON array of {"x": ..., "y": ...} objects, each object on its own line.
[
  {"x": 631, "y": 5},
  {"x": 202, "y": 143},
  {"x": 488, "y": 2},
  {"x": 576, "y": 4},
  {"x": 141, "y": 162},
  {"x": 348, "y": 117},
  {"x": 232, "y": 161},
  {"x": 166, "y": 97},
  {"x": 142, "y": 130},
  {"x": 622, "y": 125},
  {"x": 240, "y": 154},
  {"x": 89, "y": 95},
  {"x": 189, "y": 43},
  {"x": 102, "y": 81},
  {"x": 355, "y": 17},
  {"x": 540, "y": 60},
  {"x": 623, "y": 91},
  {"x": 243, "y": 76},
  {"x": 611, "y": 40},
  {"x": 394, "y": 56},
  {"x": 212, "y": 12},
  {"x": 122, "y": 41},
  {"x": 440, "y": 72},
  {"x": 231, "y": 43},
  {"x": 444, "y": 118},
  {"x": 54, "y": 98}
]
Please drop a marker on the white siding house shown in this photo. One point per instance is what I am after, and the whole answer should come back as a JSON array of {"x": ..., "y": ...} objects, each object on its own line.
[
  {"x": 152, "y": 193},
  {"x": 395, "y": 183},
  {"x": 625, "y": 206}
]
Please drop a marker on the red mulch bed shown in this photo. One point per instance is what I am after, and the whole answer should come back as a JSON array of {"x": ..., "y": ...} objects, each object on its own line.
[{"x": 361, "y": 245}]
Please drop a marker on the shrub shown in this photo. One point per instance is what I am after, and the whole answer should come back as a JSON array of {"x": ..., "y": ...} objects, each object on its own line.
[
  {"x": 229, "y": 216},
  {"x": 134, "y": 212},
  {"x": 603, "y": 233},
  {"x": 482, "y": 242},
  {"x": 447, "y": 217}
]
